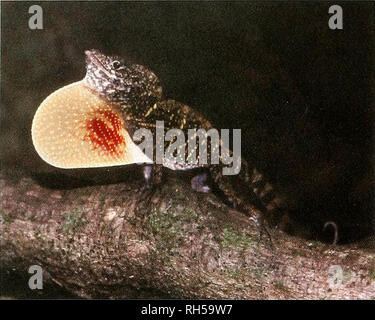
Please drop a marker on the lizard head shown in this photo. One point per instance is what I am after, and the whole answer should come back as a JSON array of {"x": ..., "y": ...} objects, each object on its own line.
[{"x": 117, "y": 81}]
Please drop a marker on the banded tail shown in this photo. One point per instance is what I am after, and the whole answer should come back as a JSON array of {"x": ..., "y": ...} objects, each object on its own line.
[{"x": 249, "y": 190}]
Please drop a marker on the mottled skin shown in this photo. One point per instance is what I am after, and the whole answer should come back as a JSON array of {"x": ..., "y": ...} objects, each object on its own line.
[
  {"x": 132, "y": 86},
  {"x": 136, "y": 92}
]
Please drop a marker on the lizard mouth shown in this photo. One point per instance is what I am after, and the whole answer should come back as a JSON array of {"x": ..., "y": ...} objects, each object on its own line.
[{"x": 93, "y": 57}]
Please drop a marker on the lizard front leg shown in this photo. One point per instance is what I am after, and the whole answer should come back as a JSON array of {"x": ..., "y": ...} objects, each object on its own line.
[{"x": 152, "y": 175}]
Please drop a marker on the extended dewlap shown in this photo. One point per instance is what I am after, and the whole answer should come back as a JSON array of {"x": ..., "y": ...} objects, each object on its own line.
[{"x": 74, "y": 128}]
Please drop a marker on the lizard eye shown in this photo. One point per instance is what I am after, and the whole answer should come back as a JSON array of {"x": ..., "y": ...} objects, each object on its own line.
[{"x": 116, "y": 65}]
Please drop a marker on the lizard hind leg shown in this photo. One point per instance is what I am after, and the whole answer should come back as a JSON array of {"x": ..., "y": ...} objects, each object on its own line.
[{"x": 240, "y": 198}]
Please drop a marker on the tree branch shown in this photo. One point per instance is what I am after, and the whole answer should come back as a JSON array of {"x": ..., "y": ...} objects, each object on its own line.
[{"x": 119, "y": 241}]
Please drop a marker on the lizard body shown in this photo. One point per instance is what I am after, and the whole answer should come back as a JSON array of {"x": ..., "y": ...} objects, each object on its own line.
[{"x": 142, "y": 110}]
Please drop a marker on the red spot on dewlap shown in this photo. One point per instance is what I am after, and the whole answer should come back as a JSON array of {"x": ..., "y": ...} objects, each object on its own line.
[{"x": 103, "y": 132}]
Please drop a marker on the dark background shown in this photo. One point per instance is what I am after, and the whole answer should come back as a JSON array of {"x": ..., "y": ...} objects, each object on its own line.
[{"x": 302, "y": 94}]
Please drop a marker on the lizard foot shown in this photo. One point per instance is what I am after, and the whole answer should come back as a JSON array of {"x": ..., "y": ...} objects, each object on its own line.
[{"x": 199, "y": 183}]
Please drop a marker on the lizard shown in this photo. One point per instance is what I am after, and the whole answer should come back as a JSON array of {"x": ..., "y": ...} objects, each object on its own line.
[{"x": 115, "y": 99}]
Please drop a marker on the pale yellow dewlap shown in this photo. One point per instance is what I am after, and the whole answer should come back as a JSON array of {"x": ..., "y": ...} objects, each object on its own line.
[{"x": 74, "y": 128}]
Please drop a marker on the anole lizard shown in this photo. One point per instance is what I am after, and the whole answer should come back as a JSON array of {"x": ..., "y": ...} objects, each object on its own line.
[{"x": 91, "y": 123}]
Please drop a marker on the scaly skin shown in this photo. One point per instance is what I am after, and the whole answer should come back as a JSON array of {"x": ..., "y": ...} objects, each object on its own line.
[{"x": 136, "y": 93}]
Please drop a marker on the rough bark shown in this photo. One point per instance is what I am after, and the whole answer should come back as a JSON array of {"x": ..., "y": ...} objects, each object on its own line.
[{"x": 120, "y": 241}]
